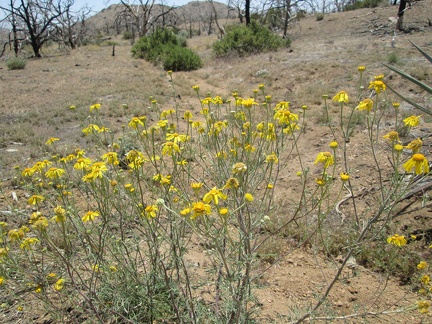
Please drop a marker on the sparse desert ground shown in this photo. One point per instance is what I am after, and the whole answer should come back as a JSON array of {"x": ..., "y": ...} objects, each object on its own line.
[{"x": 322, "y": 59}]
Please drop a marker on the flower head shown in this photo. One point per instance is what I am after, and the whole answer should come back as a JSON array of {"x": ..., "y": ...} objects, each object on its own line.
[
  {"x": 51, "y": 140},
  {"x": 326, "y": 158},
  {"x": 248, "y": 197},
  {"x": 90, "y": 216},
  {"x": 418, "y": 162},
  {"x": 200, "y": 209},
  {"x": 392, "y": 136},
  {"x": 412, "y": 121},
  {"x": 377, "y": 85},
  {"x": 415, "y": 145},
  {"x": 342, "y": 96},
  {"x": 344, "y": 176},
  {"x": 95, "y": 107},
  {"x": 422, "y": 265},
  {"x": 150, "y": 211},
  {"x": 239, "y": 167},
  {"x": 366, "y": 104},
  {"x": 334, "y": 145},
  {"x": 213, "y": 196},
  {"x": 398, "y": 240}
]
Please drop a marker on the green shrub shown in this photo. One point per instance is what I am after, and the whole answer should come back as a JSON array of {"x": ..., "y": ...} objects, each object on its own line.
[
  {"x": 362, "y": 4},
  {"x": 163, "y": 46},
  {"x": 127, "y": 35},
  {"x": 319, "y": 16},
  {"x": 254, "y": 38},
  {"x": 16, "y": 63},
  {"x": 178, "y": 58}
]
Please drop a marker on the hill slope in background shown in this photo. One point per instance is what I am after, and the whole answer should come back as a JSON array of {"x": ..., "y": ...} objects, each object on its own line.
[{"x": 322, "y": 59}]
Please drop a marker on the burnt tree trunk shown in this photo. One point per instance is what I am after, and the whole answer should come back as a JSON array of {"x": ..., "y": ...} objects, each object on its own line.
[{"x": 402, "y": 7}]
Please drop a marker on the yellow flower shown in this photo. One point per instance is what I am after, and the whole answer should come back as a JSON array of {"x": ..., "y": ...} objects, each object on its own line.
[
  {"x": 366, "y": 104},
  {"x": 90, "y": 216},
  {"x": 95, "y": 107},
  {"x": 270, "y": 186},
  {"x": 188, "y": 115},
  {"x": 169, "y": 147},
  {"x": 231, "y": 183},
  {"x": 425, "y": 279},
  {"x": 392, "y": 136},
  {"x": 325, "y": 158},
  {"x": 40, "y": 224},
  {"x": 423, "y": 306},
  {"x": 248, "y": 197},
  {"x": 214, "y": 195},
  {"x": 398, "y": 240},
  {"x": 27, "y": 242},
  {"x": 51, "y": 140},
  {"x": 320, "y": 182},
  {"x": 285, "y": 117},
  {"x": 377, "y": 85},
  {"x": 418, "y": 162},
  {"x": 248, "y": 103},
  {"x": 396, "y": 105},
  {"x": 111, "y": 158},
  {"x": 2, "y": 280},
  {"x": 361, "y": 68},
  {"x": 151, "y": 211},
  {"x": 95, "y": 267},
  {"x": 412, "y": 121},
  {"x": 422, "y": 265},
  {"x": 82, "y": 163},
  {"x": 239, "y": 167},
  {"x": 113, "y": 268},
  {"x": 342, "y": 96},
  {"x": 334, "y": 145},
  {"x": 344, "y": 176},
  {"x": 415, "y": 145},
  {"x": 35, "y": 199},
  {"x": 223, "y": 211},
  {"x": 72, "y": 107},
  {"x": 60, "y": 214},
  {"x": 59, "y": 284},
  {"x": 272, "y": 158},
  {"x": 176, "y": 138},
  {"x": 200, "y": 209},
  {"x": 27, "y": 172},
  {"x": 4, "y": 252},
  {"x": 398, "y": 148},
  {"x": 54, "y": 173},
  {"x": 196, "y": 87},
  {"x": 135, "y": 122}
]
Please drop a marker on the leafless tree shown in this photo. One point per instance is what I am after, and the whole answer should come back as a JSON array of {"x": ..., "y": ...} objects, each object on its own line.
[
  {"x": 237, "y": 6},
  {"x": 142, "y": 14},
  {"x": 38, "y": 18}
]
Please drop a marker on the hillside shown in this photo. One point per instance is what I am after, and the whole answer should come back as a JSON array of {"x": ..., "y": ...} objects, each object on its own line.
[{"x": 380, "y": 283}]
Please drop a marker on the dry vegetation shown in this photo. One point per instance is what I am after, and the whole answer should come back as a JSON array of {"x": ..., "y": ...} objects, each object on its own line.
[{"x": 322, "y": 59}]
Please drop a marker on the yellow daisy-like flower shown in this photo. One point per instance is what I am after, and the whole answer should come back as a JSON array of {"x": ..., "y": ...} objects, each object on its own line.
[
  {"x": 27, "y": 242},
  {"x": 415, "y": 145},
  {"x": 325, "y": 158},
  {"x": 95, "y": 107},
  {"x": 135, "y": 123},
  {"x": 213, "y": 196},
  {"x": 342, "y": 96},
  {"x": 51, "y": 140},
  {"x": 412, "y": 121},
  {"x": 110, "y": 158},
  {"x": 239, "y": 168},
  {"x": 196, "y": 88},
  {"x": 377, "y": 85},
  {"x": 361, "y": 68},
  {"x": 272, "y": 158},
  {"x": 398, "y": 148},
  {"x": 396, "y": 105},
  {"x": 223, "y": 211},
  {"x": 2, "y": 280},
  {"x": 425, "y": 280},
  {"x": 398, "y": 240},
  {"x": 200, "y": 209},
  {"x": 422, "y": 265},
  {"x": 151, "y": 211},
  {"x": 248, "y": 197},
  {"x": 35, "y": 199},
  {"x": 188, "y": 115},
  {"x": 90, "y": 216},
  {"x": 169, "y": 147},
  {"x": 392, "y": 136},
  {"x": 54, "y": 173},
  {"x": 231, "y": 183},
  {"x": 177, "y": 138},
  {"x": 60, "y": 214},
  {"x": 196, "y": 186},
  {"x": 344, "y": 176},
  {"x": 82, "y": 163},
  {"x": 334, "y": 145},
  {"x": 366, "y": 104},
  {"x": 418, "y": 162},
  {"x": 27, "y": 172},
  {"x": 248, "y": 103},
  {"x": 423, "y": 306}
]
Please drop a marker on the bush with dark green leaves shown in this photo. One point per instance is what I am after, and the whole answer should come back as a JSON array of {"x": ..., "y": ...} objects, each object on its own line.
[
  {"x": 164, "y": 47},
  {"x": 250, "y": 39},
  {"x": 16, "y": 63}
]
